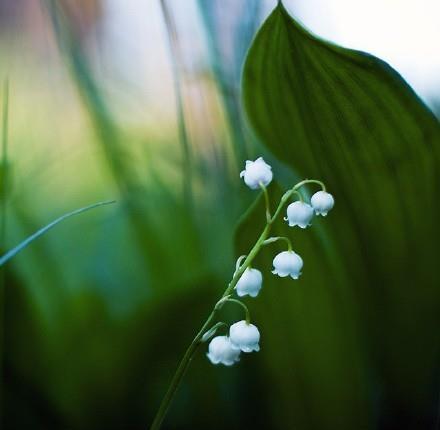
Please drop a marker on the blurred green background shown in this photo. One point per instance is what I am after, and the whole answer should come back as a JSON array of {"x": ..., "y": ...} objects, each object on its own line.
[{"x": 145, "y": 108}]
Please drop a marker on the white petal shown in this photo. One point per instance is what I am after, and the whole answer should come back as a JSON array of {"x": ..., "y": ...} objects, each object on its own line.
[
  {"x": 257, "y": 172},
  {"x": 322, "y": 202},
  {"x": 222, "y": 351},
  {"x": 249, "y": 283},
  {"x": 300, "y": 214},
  {"x": 244, "y": 336}
]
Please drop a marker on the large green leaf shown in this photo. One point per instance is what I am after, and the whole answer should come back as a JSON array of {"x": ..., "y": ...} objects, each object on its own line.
[{"x": 349, "y": 119}]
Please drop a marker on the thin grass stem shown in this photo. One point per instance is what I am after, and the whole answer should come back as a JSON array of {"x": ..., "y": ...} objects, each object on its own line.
[
  {"x": 22, "y": 245},
  {"x": 176, "y": 59},
  {"x": 4, "y": 184}
]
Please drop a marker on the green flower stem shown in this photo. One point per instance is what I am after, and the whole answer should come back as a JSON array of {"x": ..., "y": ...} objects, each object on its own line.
[
  {"x": 192, "y": 348},
  {"x": 239, "y": 260},
  {"x": 188, "y": 356},
  {"x": 299, "y": 196},
  {"x": 246, "y": 310},
  {"x": 276, "y": 239},
  {"x": 286, "y": 196},
  {"x": 212, "y": 331},
  {"x": 180, "y": 372},
  {"x": 309, "y": 181},
  {"x": 266, "y": 201}
]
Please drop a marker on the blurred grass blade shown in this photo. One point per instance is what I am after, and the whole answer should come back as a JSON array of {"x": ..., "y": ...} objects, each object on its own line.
[
  {"x": 349, "y": 119},
  {"x": 176, "y": 61},
  {"x": 106, "y": 129},
  {"x": 4, "y": 163},
  {"x": 4, "y": 183},
  {"x": 109, "y": 136},
  {"x": 14, "y": 251},
  {"x": 228, "y": 36}
]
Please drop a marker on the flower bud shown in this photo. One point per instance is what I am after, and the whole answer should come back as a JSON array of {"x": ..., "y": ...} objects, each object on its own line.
[
  {"x": 250, "y": 283},
  {"x": 287, "y": 263},
  {"x": 300, "y": 214},
  {"x": 322, "y": 202},
  {"x": 257, "y": 172},
  {"x": 222, "y": 351},
  {"x": 244, "y": 336}
]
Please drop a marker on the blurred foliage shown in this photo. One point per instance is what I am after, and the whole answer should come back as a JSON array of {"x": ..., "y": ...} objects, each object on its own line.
[{"x": 98, "y": 312}]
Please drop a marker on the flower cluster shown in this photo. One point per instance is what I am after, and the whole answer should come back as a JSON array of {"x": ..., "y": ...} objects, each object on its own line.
[
  {"x": 247, "y": 281},
  {"x": 243, "y": 337}
]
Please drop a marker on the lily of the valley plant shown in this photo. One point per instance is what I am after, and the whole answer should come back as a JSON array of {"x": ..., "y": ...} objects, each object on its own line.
[{"x": 243, "y": 336}]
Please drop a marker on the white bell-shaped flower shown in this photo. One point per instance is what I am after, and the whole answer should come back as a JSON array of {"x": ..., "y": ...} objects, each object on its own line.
[
  {"x": 287, "y": 263},
  {"x": 250, "y": 283},
  {"x": 221, "y": 350},
  {"x": 257, "y": 172},
  {"x": 322, "y": 202},
  {"x": 300, "y": 214},
  {"x": 244, "y": 336}
]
